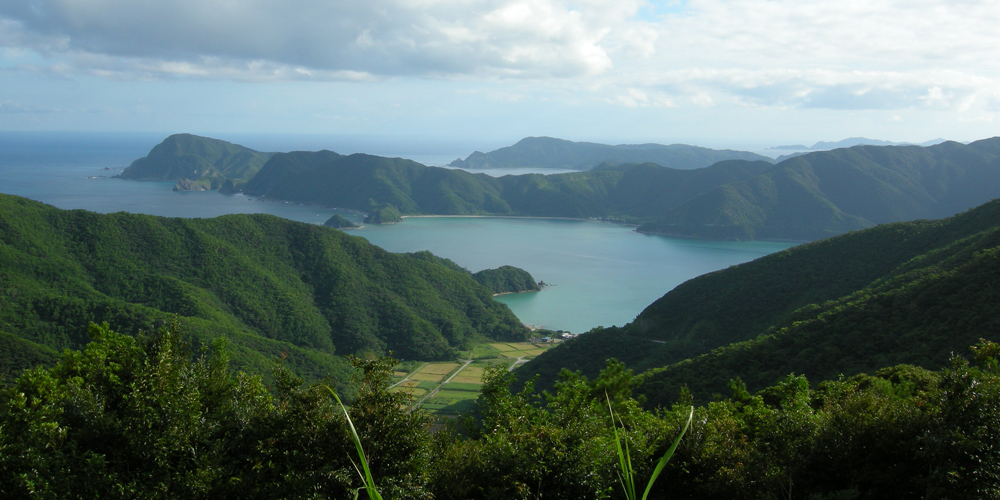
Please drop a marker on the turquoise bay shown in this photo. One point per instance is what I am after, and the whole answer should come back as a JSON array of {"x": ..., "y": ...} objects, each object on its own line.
[{"x": 602, "y": 274}]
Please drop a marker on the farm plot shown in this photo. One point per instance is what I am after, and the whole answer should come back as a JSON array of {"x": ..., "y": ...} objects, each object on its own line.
[{"x": 504, "y": 348}]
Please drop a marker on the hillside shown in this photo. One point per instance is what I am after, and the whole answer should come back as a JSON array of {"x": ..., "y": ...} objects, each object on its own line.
[
  {"x": 201, "y": 160},
  {"x": 272, "y": 286},
  {"x": 826, "y": 193},
  {"x": 547, "y": 152},
  {"x": 910, "y": 292},
  {"x": 366, "y": 182}
]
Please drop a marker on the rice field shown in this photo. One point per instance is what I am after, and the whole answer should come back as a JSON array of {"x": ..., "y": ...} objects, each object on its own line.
[{"x": 431, "y": 394}]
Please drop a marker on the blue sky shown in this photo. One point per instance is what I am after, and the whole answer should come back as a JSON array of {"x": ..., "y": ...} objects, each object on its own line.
[{"x": 741, "y": 73}]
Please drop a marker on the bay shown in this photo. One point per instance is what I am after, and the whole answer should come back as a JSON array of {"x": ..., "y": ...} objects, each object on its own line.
[{"x": 602, "y": 274}]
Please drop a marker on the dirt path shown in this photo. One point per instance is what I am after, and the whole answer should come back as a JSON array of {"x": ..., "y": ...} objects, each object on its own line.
[
  {"x": 516, "y": 362},
  {"x": 409, "y": 375},
  {"x": 438, "y": 388}
]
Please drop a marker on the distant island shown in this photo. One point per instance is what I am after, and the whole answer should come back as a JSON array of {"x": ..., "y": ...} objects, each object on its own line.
[
  {"x": 338, "y": 221},
  {"x": 506, "y": 279},
  {"x": 803, "y": 198},
  {"x": 547, "y": 152}
]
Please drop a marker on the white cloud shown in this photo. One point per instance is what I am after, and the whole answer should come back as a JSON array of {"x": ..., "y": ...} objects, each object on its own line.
[
  {"x": 519, "y": 38},
  {"x": 780, "y": 54}
]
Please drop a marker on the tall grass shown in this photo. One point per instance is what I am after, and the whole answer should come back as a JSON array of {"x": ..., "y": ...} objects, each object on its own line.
[
  {"x": 366, "y": 477},
  {"x": 627, "y": 474}
]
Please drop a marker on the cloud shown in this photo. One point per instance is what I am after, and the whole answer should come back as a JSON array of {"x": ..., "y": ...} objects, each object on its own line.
[
  {"x": 509, "y": 38},
  {"x": 814, "y": 54}
]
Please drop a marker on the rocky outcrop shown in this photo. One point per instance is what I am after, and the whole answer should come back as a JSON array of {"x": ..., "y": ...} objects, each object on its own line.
[{"x": 189, "y": 185}]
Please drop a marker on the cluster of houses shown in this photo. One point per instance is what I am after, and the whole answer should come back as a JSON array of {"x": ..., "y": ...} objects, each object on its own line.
[{"x": 555, "y": 336}]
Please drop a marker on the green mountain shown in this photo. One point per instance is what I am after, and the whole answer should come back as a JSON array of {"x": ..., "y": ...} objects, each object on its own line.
[
  {"x": 366, "y": 182},
  {"x": 831, "y": 192},
  {"x": 271, "y": 285},
  {"x": 910, "y": 292},
  {"x": 201, "y": 160},
  {"x": 546, "y": 152}
]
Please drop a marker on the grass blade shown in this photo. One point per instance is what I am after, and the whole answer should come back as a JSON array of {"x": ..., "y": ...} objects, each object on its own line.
[
  {"x": 667, "y": 455},
  {"x": 367, "y": 477}
]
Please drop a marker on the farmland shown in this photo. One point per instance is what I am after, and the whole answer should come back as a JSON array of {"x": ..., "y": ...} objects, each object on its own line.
[{"x": 449, "y": 388}]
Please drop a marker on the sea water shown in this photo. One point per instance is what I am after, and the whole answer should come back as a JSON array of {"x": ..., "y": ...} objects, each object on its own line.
[{"x": 600, "y": 274}]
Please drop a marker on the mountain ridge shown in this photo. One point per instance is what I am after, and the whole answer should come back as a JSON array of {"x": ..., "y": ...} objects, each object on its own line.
[
  {"x": 271, "y": 285},
  {"x": 830, "y": 192},
  {"x": 549, "y": 152}
]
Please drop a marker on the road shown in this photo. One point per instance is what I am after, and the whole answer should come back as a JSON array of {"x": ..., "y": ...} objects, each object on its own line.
[{"x": 438, "y": 388}]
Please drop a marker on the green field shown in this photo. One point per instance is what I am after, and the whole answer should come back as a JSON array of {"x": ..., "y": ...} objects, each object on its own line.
[{"x": 461, "y": 392}]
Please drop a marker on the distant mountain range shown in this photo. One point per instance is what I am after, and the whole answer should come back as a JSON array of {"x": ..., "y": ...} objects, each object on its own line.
[
  {"x": 831, "y": 192},
  {"x": 856, "y": 141},
  {"x": 546, "y": 152},
  {"x": 808, "y": 197},
  {"x": 845, "y": 143},
  {"x": 909, "y": 292},
  {"x": 368, "y": 183}
]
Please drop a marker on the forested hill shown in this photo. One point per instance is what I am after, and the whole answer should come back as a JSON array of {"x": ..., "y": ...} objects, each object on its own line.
[
  {"x": 365, "y": 182},
  {"x": 203, "y": 160},
  {"x": 273, "y": 286},
  {"x": 506, "y": 279},
  {"x": 910, "y": 292},
  {"x": 547, "y": 152},
  {"x": 831, "y": 192}
]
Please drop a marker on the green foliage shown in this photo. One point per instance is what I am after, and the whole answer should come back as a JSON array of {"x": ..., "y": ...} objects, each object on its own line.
[
  {"x": 272, "y": 286},
  {"x": 145, "y": 417},
  {"x": 148, "y": 417}
]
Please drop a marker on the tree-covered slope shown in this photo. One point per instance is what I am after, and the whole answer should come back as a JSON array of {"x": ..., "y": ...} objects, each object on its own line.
[
  {"x": 831, "y": 192},
  {"x": 547, "y": 152},
  {"x": 907, "y": 292},
  {"x": 206, "y": 161},
  {"x": 506, "y": 279},
  {"x": 368, "y": 183},
  {"x": 274, "y": 286}
]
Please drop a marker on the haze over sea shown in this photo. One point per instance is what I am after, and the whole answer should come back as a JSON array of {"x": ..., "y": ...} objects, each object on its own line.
[{"x": 603, "y": 273}]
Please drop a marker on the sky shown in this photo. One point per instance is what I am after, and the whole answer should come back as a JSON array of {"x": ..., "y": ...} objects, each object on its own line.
[{"x": 746, "y": 74}]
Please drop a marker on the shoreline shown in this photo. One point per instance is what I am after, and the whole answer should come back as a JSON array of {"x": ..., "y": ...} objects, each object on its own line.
[
  {"x": 491, "y": 217},
  {"x": 538, "y": 217}
]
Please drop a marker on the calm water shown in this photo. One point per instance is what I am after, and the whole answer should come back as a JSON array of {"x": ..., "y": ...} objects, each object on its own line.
[{"x": 602, "y": 273}]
